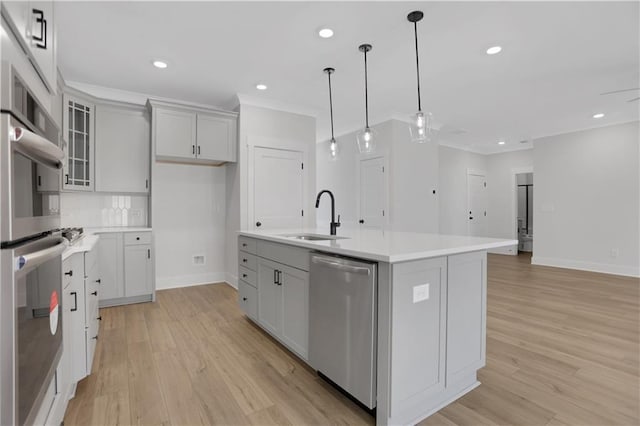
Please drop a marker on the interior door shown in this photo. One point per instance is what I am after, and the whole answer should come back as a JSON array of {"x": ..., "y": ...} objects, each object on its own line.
[
  {"x": 372, "y": 193},
  {"x": 278, "y": 188},
  {"x": 477, "y": 205}
]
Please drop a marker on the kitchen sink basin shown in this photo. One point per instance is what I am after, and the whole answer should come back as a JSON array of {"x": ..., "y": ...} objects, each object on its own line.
[{"x": 314, "y": 237}]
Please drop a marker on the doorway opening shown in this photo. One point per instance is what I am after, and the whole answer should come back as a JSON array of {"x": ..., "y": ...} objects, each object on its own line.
[{"x": 524, "y": 217}]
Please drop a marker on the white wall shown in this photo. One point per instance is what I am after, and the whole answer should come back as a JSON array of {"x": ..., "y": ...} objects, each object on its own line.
[
  {"x": 188, "y": 219},
  {"x": 412, "y": 175},
  {"x": 587, "y": 200},
  {"x": 453, "y": 167},
  {"x": 502, "y": 194},
  {"x": 260, "y": 126}
]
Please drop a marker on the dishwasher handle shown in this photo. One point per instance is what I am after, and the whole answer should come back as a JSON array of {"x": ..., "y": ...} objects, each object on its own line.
[{"x": 336, "y": 264}]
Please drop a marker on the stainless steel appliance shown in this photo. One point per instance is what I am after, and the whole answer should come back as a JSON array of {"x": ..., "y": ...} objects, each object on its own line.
[
  {"x": 30, "y": 252},
  {"x": 342, "y": 323}
]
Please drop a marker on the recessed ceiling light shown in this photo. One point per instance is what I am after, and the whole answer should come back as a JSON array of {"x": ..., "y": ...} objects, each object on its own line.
[
  {"x": 493, "y": 50},
  {"x": 598, "y": 115},
  {"x": 325, "y": 33},
  {"x": 261, "y": 86},
  {"x": 501, "y": 143},
  {"x": 160, "y": 64}
]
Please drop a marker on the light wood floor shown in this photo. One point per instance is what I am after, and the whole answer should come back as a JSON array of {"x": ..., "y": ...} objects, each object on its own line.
[{"x": 562, "y": 349}]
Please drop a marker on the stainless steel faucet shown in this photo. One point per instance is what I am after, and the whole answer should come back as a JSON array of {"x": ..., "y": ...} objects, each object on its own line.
[{"x": 334, "y": 225}]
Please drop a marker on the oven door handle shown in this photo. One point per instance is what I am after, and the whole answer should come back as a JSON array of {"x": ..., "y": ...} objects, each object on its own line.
[
  {"x": 32, "y": 260},
  {"x": 37, "y": 148}
]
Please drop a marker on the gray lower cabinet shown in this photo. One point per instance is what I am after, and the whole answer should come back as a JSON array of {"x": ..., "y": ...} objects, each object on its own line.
[
  {"x": 466, "y": 314},
  {"x": 275, "y": 294},
  {"x": 126, "y": 259}
]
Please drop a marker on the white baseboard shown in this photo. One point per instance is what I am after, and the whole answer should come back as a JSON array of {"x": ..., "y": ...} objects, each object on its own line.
[
  {"x": 509, "y": 250},
  {"x": 163, "y": 283},
  {"x": 605, "y": 268},
  {"x": 232, "y": 280}
]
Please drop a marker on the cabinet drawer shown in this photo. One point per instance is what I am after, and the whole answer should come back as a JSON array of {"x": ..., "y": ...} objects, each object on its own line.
[
  {"x": 248, "y": 299},
  {"x": 247, "y": 244},
  {"x": 137, "y": 238},
  {"x": 293, "y": 256},
  {"x": 247, "y": 275},
  {"x": 247, "y": 260}
]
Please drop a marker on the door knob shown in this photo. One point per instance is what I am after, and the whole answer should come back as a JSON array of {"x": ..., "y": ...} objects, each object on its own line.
[
  {"x": 258, "y": 223},
  {"x": 470, "y": 217}
]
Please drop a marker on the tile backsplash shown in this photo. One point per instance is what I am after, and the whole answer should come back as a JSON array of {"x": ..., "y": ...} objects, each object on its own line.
[{"x": 92, "y": 210}]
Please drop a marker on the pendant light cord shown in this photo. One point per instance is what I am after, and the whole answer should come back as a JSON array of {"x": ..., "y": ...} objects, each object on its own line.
[
  {"x": 366, "y": 94},
  {"x": 330, "y": 105},
  {"x": 415, "y": 31}
]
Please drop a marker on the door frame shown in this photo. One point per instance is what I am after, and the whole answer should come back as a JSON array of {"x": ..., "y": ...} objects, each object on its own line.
[
  {"x": 514, "y": 197},
  {"x": 476, "y": 172},
  {"x": 385, "y": 184},
  {"x": 275, "y": 144}
]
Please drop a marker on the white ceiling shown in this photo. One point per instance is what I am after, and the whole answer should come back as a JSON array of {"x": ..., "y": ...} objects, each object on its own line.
[{"x": 557, "y": 58}]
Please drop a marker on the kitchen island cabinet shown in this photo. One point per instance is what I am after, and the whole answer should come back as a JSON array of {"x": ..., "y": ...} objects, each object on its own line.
[{"x": 430, "y": 310}]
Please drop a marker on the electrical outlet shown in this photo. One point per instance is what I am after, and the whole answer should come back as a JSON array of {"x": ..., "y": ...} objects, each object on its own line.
[
  {"x": 420, "y": 293},
  {"x": 198, "y": 259},
  {"x": 615, "y": 252}
]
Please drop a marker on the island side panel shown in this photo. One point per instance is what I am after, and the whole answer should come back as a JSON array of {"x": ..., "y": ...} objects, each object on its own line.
[{"x": 466, "y": 315}]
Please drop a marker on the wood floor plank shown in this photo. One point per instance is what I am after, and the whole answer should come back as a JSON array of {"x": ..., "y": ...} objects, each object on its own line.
[{"x": 562, "y": 349}]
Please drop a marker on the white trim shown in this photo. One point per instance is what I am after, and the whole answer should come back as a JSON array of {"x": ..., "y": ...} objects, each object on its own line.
[
  {"x": 476, "y": 172},
  {"x": 507, "y": 250},
  {"x": 514, "y": 197},
  {"x": 179, "y": 281},
  {"x": 244, "y": 99},
  {"x": 231, "y": 279},
  {"x": 605, "y": 268}
]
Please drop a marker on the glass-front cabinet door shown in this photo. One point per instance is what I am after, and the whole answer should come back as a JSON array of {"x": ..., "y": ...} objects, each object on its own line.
[{"x": 78, "y": 143}]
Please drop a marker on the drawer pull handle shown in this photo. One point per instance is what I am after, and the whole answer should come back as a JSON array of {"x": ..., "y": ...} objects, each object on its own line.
[
  {"x": 137, "y": 238},
  {"x": 244, "y": 299},
  {"x": 98, "y": 280},
  {"x": 244, "y": 260},
  {"x": 70, "y": 273},
  {"x": 99, "y": 318},
  {"x": 95, "y": 293},
  {"x": 244, "y": 275},
  {"x": 95, "y": 337},
  {"x": 244, "y": 244}
]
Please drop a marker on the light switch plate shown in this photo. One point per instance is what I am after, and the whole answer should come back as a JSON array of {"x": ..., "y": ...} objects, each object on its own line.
[{"x": 420, "y": 293}]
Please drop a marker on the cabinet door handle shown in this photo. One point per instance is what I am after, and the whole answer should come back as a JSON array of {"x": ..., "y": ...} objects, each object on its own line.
[
  {"x": 275, "y": 276},
  {"x": 70, "y": 273},
  {"x": 95, "y": 337},
  {"x": 99, "y": 318},
  {"x": 244, "y": 260},
  {"x": 148, "y": 253},
  {"x": 98, "y": 281},
  {"x": 193, "y": 150},
  {"x": 244, "y": 275},
  {"x": 66, "y": 179},
  {"x": 198, "y": 149},
  {"x": 244, "y": 244},
  {"x": 95, "y": 293},
  {"x": 279, "y": 282},
  {"x": 39, "y": 180},
  {"x": 146, "y": 183},
  {"x": 75, "y": 301},
  {"x": 244, "y": 299},
  {"x": 258, "y": 224}
]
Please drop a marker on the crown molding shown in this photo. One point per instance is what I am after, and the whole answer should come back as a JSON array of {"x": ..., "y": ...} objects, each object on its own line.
[{"x": 244, "y": 99}]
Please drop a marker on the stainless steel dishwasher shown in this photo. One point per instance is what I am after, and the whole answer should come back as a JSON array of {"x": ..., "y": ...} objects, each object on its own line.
[{"x": 342, "y": 323}]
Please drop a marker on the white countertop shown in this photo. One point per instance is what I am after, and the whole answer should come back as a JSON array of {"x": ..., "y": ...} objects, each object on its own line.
[
  {"x": 384, "y": 246},
  {"x": 84, "y": 244},
  {"x": 116, "y": 229}
]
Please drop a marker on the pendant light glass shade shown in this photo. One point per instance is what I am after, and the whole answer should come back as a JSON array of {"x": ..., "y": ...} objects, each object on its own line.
[
  {"x": 366, "y": 140},
  {"x": 334, "y": 149},
  {"x": 421, "y": 128},
  {"x": 366, "y": 137}
]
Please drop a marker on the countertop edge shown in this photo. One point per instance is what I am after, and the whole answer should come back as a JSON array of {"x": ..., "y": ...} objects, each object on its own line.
[
  {"x": 87, "y": 243},
  {"x": 378, "y": 257}
]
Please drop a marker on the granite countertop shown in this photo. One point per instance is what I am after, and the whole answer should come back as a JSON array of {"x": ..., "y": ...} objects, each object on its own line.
[{"x": 384, "y": 246}]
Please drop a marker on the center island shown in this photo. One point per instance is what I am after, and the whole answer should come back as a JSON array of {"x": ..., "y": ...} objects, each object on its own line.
[{"x": 396, "y": 319}]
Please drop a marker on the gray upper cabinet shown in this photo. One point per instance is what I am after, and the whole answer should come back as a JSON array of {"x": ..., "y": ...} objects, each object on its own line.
[
  {"x": 193, "y": 135},
  {"x": 34, "y": 26},
  {"x": 122, "y": 149},
  {"x": 78, "y": 136}
]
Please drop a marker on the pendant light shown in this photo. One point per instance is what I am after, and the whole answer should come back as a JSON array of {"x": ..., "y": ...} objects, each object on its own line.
[
  {"x": 421, "y": 122},
  {"x": 366, "y": 136},
  {"x": 334, "y": 149}
]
